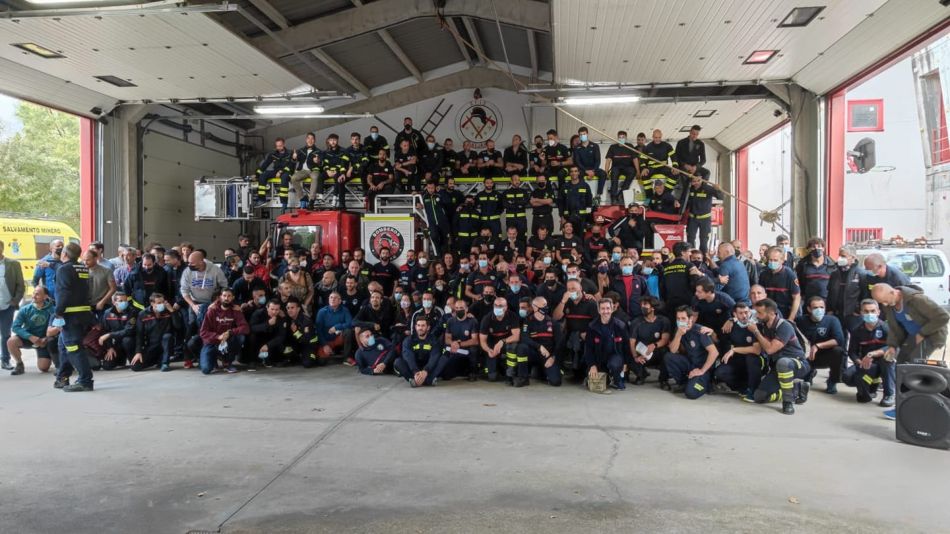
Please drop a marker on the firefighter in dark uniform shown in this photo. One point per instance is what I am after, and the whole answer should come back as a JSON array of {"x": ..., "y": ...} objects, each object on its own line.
[
  {"x": 468, "y": 224},
  {"x": 826, "y": 336},
  {"x": 490, "y": 164},
  {"x": 662, "y": 166},
  {"x": 781, "y": 284},
  {"x": 691, "y": 154},
  {"x": 276, "y": 168},
  {"x": 587, "y": 159},
  {"x": 359, "y": 159},
  {"x": 416, "y": 141},
  {"x": 376, "y": 142},
  {"x": 679, "y": 278},
  {"x": 700, "y": 203},
  {"x": 540, "y": 337},
  {"x": 662, "y": 199},
  {"x": 500, "y": 337},
  {"x": 453, "y": 200},
  {"x": 607, "y": 345},
  {"x": 437, "y": 222},
  {"x": 543, "y": 200},
  {"x": 742, "y": 364},
  {"x": 421, "y": 362},
  {"x": 430, "y": 161},
  {"x": 450, "y": 160},
  {"x": 557, "y": 159},
  {"x": 788, "y": 367},
  {"x": 578, "y": 201},
  {"x": 692, "y": 355},
  {"x": 301, "y": 338},
  {"x": 380, "y": 178},
  {"x": 462, "y": 333},
  {"x": 516, "y": 158},
  {"x": 406, "y": 163},
  {"x": 306, "y": 169},
  {"x": 118, "y": 324},
  {"x": 621, "y": 156},
  {"x": 866, "y": 351},
  {"x": 336, "y": 162},
  {"x": 468, "y": 160},
  {"x": 73, "y": 315},
  {"x": 535, "y": 160},
  {"x": 516, "y": 206},
  {"x": 155, "y": 334},
  {"x": 490, "y": 206}
]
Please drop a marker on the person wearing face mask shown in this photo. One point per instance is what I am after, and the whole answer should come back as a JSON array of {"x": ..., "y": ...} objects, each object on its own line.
[
  {"x": 431, "y": 161},
  {"x": 375, "y": 142},
  {"x": 376, "y": 354},
  {"x": 245, "y": 286},
  {"x": 539, "y": 338},
  {"x": 500, "y": 334},
  {"x": 490, "y": 161},
  {"x": 542, "y": 200},
  {"x": 633, "y": 231},
  {"x": 516, "y": 290},
  {"x": 155, "y": 329},
  {"x": 827, "y": 340},
  {"x": 742, "y": 365},
  {"x": 462, "y": 343},
  {"x": 572, "y": 271},
  {"x": 814, "y": 270},
  {"x": 256, "y": 301},
  {"x": 699, "y": 203},
  {"x": 403, "y": 317},
  {"x": 481, "y": 279},
  {"x": 577, "y": 309},
  {"x": 549, "y": 287},
  {"x": 414, "y": 137},
  {"x": 867, "y": 351},
  {"x": 432, "y": 313},
  {"x": 118, "y": 332},
  {"x": 692, "y": 356},
  {"x": 658, "y": 164},
  {"x": 845, "y": 287},
  {"x": 597, "y": 242},
  {"x": 783, "y": 242},
  {"x": 450, "y": 159},
  {"x": 268, "y": 334},
  {"x": 788, "y": 365},
  {"x": 620, "y": 157},
  {"x": 540, "y": 243},
  {"x": 586, "y": 156},
  {"x": 421, "y": 363},
  {"x": 307, "y": 167},
  {"x": 406, "y": 167},
  {"x": 301, "y": 284},
  {"x": 419, "y": 273},
  {"x": 385, "y": 272},
  {"x": 276, "y": 168},
  {"x": 380, "y": 178},
  {"x": 606, "y": 345},
  {"x": 781, "y": 284},
  {"x": 578, "y": 201},
  {"x": 436, "y": 206},
  {"x": 557, "y": 158},
  {"x": 468, "y": 224},
  {"x": 146, "y": 278},
  {"x": 630, "y": 286},
  {"x": 649, "y": 342},
  {"x": 652, "y": 275}
]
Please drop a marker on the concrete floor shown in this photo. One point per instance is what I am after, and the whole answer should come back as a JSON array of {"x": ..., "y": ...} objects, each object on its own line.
[{"x": 328, "y": 450}]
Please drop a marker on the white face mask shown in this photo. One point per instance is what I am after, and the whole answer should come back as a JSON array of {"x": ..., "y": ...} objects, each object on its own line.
[
  {"x": 552, "y": 142},
  {"x": 843, "y": 262}
]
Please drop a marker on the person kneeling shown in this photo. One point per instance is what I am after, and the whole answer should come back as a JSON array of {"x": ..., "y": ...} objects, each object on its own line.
[
  {"x": 300, "y": 336},
  {"x": 222, "y": 333},
  {"x": 155, "y": 330},
  {"x": 29, "y": 331},
  {"x": 268, "y": 333},
  {"x": 375, "y": 355},
  {"x": 421, "y": 362},
  {"x": 867, "y": 352},
  {"x": 779, "y": 341},
  {"x": 692, "y": 355},
  {"x": 461, "y": 343},
  {"x": 118, "y": 338},
  {"x": 606, "y": 342}
]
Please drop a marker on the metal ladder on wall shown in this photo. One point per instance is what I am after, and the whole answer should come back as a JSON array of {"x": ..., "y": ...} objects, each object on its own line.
[
  {"x": 435, "y": 119},
  {"x": 405, "y": 204}
]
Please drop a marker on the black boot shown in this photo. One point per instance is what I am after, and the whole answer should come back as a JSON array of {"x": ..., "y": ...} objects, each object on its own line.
[
  {"x": 801, "y": 392},
  {"x": 788, "y": 408}
]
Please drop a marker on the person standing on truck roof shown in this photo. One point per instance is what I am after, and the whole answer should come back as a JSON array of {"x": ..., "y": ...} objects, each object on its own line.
[
  {"x": 408, "y": 133},
  {"x": 556, "y": 158},
  {"x": 406, "y": 162},
  {"x": 699, "y": 202},
  {"x": 587, "y": 158},
  {"x": 619, "y": 158},
  {"x": 658, "y": 164},
  {"x": 45, "y": 271},
  {"x": 691, "y": 154},
  {"x": 380, "y": 178},
  {"x": 276, "y": 167},
  {"x": 12, "y": 289}
]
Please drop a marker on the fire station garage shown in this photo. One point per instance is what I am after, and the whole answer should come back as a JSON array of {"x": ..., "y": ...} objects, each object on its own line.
[{"x": 472, "y": 265}]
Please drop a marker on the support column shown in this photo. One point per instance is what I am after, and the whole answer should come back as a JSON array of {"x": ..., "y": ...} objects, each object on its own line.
[
  {"x": 87, "y": 181},
  {"x": 808, "y": 186},
  {"x": 726, "y": 180}
]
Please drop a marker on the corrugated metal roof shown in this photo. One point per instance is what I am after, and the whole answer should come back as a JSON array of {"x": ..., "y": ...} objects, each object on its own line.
[
  {"x": 545, "y": 51},
  {"x": 295, "y": 11},
  {"x": 516, "y": 41},
  {"x": 166, "y": 56},
  {"x": 749, "y": 125},
  {"x": 368, "y": 58},
  {"x": 429, "y": 46},
  {"x": 30, "y": 84}
]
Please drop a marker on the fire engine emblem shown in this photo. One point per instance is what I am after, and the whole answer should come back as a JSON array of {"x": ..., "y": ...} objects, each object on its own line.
[
  {"x": 387, "y": 236},
  {"x": 478, "y": 122}
]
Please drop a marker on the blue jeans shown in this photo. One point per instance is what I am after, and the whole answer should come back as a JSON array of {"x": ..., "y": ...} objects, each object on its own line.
[
  {"x": 6, "y": 324},
  {"x": 210, "y": 354}
]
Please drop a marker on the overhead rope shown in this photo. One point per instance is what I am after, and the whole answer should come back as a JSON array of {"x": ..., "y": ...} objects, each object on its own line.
[{"x": 771, "y": 217}]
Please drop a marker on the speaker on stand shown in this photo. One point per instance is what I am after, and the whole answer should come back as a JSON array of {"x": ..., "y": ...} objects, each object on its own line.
[{"x": 923, "y": 404}]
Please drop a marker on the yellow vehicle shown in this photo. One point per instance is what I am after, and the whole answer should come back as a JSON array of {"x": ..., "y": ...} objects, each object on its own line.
[{"x": 27, "y": 241}]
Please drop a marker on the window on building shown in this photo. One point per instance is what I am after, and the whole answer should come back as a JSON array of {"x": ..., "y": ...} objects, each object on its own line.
[
  {"x": 862, "y": 235},
  {"x": 935, "y": 117},
  {"x": 866, "y": 115}
]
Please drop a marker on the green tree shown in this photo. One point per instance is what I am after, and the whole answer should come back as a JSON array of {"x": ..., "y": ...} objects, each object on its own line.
[{"x": 39, "y": 165}]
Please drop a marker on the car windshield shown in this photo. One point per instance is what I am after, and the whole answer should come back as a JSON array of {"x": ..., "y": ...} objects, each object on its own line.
[
  {"x": 304, "y": 236},
  {"x": 907, "y": 263}
]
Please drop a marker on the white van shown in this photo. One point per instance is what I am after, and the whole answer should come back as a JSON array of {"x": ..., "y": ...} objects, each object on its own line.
[{"x": 925, "y": 266}]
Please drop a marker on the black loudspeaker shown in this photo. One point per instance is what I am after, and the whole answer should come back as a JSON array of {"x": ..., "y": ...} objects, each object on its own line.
[{"x": 923, "y": 405}]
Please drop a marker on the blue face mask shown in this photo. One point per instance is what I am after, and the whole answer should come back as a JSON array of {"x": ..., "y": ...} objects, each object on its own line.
[
  {"x": 584, "y": 138},
  {"x": 775, "y": 265},
  {"x": 870, "y": 318},
  {"x": 430, "y": 145},
  {"x": 426, "y": 303},
  {"x": 159, "y": 307},
  {"x": 818, "y": 314},
  {"x": 627, "y": 270},
  {"x": 574, "y": 295},
  {"x": 522, "y": 313},
  {"x": 482, "y": 264},
  {"x": 499, "y": 311},
  {"x": 121, "y": 306},
  {"x": 374, "y": 135},
  {"x": 515, "y": 288},
  {"x": 682, "y": 324},
  {"x": 741, "y": 324},
  {"x": 615, "y": 257},
  {"x": 262, "y": 300},
  {"x": 648, "y": 271},
  {"x": 546, "y": 260},
  {"x": 262, "y": 355},
  {"x": 370, "y": 341}
]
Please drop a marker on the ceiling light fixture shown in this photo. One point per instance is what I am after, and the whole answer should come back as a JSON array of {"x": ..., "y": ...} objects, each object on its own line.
[
  {"x": 64, "y": 2},
  {"x": 760, "y": 57},
  {"x": 800, "y": 17},
  {"x": 38, "y": 50},
  {"x": 704, "y": 113},
  {"x": 685, "y": 128},
  {"x": 286, "y": 110},
  {"x": 115, "y": 80},
  {"x": 594, "y": 100}
]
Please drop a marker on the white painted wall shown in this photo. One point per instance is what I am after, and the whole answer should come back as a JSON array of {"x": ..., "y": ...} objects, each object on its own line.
[
  {"x": 770, "y": 184},
  {"x": 893, "y": 200}
]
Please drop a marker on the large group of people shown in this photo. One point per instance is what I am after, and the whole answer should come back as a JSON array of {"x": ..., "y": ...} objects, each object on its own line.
[{"x": 580, "y": 308}]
